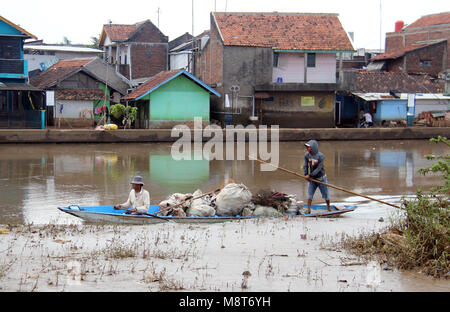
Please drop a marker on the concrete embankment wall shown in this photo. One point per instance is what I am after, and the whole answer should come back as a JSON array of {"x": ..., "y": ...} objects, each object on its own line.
[{"x": 164, "y": 135}]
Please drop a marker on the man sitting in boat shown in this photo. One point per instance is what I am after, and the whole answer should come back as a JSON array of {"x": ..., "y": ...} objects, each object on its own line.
[
  {"x": 139, "y": 198},
  {"x": 314, "y": 169}
]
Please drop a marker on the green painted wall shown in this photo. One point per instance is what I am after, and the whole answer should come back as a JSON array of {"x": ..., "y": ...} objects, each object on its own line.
[{"x": 179, "y": 99}]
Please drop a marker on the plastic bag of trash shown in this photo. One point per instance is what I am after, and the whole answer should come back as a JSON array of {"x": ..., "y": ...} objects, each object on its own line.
[
  {"x": 266, "y": 211},
  {"x": 173, "y": 200},
  {"x": 200, "y": 207},
  {"x": 201, "y": 211},
  {"x": 232, "y": 199}
]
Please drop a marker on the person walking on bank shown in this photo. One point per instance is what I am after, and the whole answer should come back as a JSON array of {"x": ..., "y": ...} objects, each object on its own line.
[
  {"x": 138, "y": 198},
  {"x": 314, "y": 169}
]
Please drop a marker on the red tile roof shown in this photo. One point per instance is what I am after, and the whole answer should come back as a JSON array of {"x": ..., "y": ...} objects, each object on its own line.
[
  {"x": 402, "y": 51},
  {"x": 58, "y": 71},
  {"x": 150, "y": 84},
  {"x": 79, "y": 95},
  {"x": 119, "y": 32},
  {"x": 364, "y": 81},
  {"x": 431, "y": 20},
  {"x": 284, "y": 31}
]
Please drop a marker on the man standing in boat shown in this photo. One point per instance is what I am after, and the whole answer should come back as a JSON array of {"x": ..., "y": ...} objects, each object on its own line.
[
  {"x": 139, "y": 198},
  {"x": 314, "y": 169}
]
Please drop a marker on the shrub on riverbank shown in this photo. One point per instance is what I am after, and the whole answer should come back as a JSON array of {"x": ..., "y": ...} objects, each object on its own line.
[{"x": 420, "y": 239}]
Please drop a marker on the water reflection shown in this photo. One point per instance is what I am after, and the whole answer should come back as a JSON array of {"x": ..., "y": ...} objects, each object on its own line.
[{"x": 35, "y": 179}]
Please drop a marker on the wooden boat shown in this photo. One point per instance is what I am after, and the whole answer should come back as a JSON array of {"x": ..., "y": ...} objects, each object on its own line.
[{"x": 107, "y": 214}]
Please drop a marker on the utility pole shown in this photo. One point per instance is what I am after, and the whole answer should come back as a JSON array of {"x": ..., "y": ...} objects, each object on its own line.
[
  {"x": 158, "y": 11},
  {"x": 380, "y": 26},
  {"x": 192, "y": 18}
]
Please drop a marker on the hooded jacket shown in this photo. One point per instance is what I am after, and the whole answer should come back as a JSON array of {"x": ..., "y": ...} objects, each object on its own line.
[{"x": 314, "y": 162}]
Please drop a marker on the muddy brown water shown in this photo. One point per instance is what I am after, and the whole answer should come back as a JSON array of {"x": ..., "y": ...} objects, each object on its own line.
[
  {"x": 35, "y": 179},
  {"x": 282, "y": 255}
]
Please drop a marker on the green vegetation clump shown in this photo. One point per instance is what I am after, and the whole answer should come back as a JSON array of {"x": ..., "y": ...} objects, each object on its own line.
[
  {"x": 125, "y": 113},
  {"x": 421, "y": 238}
]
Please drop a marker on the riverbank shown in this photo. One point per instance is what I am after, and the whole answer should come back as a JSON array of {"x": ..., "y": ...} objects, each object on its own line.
[
  {"x": 292, "y": 255},
  {"x": 14, "y": 136}
]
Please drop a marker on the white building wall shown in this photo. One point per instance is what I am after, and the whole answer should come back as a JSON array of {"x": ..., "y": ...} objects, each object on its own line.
[
  {"x": 431, "y": 106},
  {"x": 291, "y": 68},
  {"x": 74, "y": 109},
  {"x": 325, "y": 70},
  {"x": 179, "y": 61},
  {"x": 42, "y": 62}
]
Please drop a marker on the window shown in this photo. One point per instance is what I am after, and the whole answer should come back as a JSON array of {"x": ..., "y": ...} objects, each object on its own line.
[
  {"x": 3, "y": 103},
  {"x": 10, "y": 48},
  {"x": 275, "y": 59},
  {"x": 425, "y": 63},
  {"x": 311, "y": 60}
]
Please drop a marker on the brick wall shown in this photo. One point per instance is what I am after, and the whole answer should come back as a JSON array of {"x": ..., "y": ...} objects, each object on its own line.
[
  {"x": 434, "y": 53},
  {"x": 209, "y": 64},
  {"x": 148, "y": 59},
  {"x": 149, "y": 52},
  {"x": 149, "y": 33},
  {"x": 396, "y": 40}
]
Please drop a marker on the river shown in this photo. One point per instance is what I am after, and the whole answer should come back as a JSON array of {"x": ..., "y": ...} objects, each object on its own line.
[{"x": 36, "y": 179}]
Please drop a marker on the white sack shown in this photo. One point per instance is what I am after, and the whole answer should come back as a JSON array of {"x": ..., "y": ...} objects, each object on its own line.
[{"x": 232, "y": 199}]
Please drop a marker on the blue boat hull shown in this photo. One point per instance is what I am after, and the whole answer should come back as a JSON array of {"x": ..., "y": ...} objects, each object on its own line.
[{"x": 107, "y": 214}]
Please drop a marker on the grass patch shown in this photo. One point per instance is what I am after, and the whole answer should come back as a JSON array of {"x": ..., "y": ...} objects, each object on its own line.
[{"x": 421, "y": 238}]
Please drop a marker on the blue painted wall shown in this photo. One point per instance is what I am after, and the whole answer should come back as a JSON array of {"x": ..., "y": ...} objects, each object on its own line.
[
  {"x": 6, "y": 29},
  {"x": 390, "y": 110},
  {"x": 9, "y": 31}
]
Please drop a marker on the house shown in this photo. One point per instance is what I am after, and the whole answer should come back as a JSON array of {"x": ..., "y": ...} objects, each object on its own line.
[
  {"x": 21, "y": 104},
  {"x": 42, "y": 56},
  {"x": 425, "y": 58},
  {"x": 416, "y": 63},
  {"x": 181, "y": 53},
  {"x": 385, "y": 95},
  {"x": 137, "y": 51},
  {"x": 421, "y": 47},
  {"x": 183, "y": 49},
  {"x": 83, "y": 90},
  {"x": 276, "y": 68},
  {"x": 171, "y": 98}
]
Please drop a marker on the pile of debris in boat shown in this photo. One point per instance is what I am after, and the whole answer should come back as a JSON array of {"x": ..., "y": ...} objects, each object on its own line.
[{"x": 233, "y": 200}]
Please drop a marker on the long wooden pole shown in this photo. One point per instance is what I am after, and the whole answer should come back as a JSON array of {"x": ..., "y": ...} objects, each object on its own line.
[
  {"x": 330, "y": 185},
  {"x": 184, "y": 201}
]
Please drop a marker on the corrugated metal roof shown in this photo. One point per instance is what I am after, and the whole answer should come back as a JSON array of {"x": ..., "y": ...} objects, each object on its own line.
[
  {"x": 60, "y": 48},
  {"x": 372, "y": 96},
  {"x": 18, "y": 87}
]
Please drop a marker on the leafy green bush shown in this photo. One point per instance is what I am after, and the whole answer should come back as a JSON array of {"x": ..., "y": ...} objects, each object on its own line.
[
  {"x": 127, "y": 113},
  {"x": 117, "y": 110}
]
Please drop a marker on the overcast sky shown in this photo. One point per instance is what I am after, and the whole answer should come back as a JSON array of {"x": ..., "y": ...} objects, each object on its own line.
[{"x": 82, "y": 19}]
